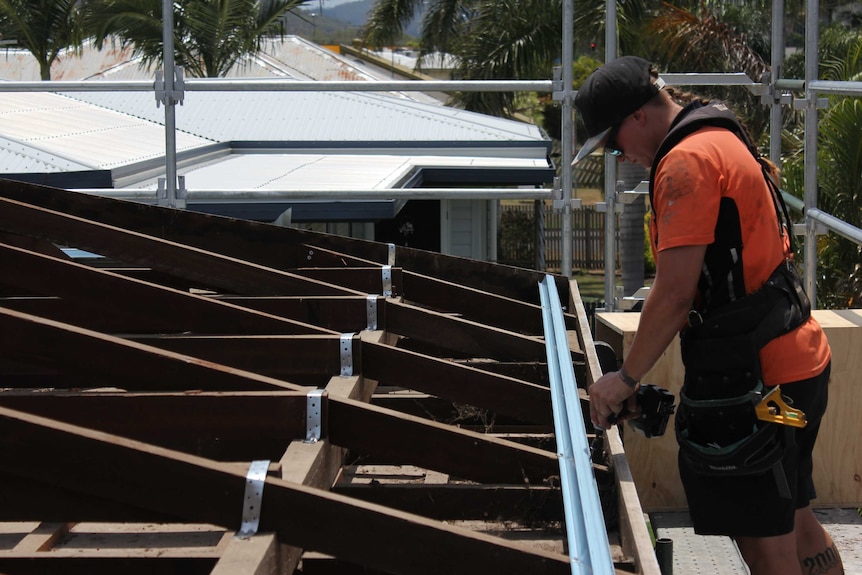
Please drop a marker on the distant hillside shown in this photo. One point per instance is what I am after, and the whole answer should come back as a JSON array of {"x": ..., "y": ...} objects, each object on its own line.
[{"x": 350, "y": 12}]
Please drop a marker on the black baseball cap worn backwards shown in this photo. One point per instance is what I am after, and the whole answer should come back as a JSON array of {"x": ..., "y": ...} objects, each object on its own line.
[{"x": 610, "y": 94}]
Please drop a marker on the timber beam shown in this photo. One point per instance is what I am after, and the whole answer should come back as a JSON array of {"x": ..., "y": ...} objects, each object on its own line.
[
  {"x": 134, "y": 305},
  {"x": 224, "y": 426},
  {"x": 208, "y": 269},
  {"x": 199, "y": 490},
  {"x": 92, "y": 359}
]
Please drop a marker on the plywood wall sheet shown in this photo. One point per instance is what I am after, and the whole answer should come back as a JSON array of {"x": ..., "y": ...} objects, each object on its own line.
[{"x": 837, "y": 456}]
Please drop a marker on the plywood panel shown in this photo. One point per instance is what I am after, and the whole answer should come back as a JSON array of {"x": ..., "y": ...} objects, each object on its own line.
[
  {"x": 837, "y": 457},
  {"x": 838, "y": 453}
]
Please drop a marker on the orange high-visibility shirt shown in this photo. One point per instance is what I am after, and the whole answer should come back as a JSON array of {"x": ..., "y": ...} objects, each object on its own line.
[{"x": 690, "y": 181}]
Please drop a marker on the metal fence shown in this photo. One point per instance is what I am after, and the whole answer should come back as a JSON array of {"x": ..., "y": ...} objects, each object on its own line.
[{"x": 517, "y": 237}]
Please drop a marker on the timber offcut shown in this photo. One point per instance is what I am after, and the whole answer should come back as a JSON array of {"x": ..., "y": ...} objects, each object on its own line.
[{"x": 188, "y": 393}]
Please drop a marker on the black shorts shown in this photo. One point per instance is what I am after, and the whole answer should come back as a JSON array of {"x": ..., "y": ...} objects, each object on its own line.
[{"x": 750, "y": 506}]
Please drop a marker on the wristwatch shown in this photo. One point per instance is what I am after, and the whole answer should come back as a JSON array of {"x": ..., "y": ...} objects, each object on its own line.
[{"x": 629, "y": 380}]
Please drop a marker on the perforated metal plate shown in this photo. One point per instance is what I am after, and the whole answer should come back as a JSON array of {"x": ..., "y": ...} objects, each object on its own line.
[{"x": 697, "y": 554}]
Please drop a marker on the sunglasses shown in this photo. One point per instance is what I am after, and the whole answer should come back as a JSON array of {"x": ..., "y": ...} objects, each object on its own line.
[{"x": 611, "y": 146}]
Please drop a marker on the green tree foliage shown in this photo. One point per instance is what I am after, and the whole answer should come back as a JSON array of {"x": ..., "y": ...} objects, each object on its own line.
[
  {"x": 210, "y": 36},
  {"x": 716, "y": 37},
  {"x": 839, "y": 166},
  {"x": 519, "y": 246},
  {"x": 840, "y": 181},
  {"x": 43, "y": 27},
  {"x": 524, "y": 49},
  {"x": 498, "y": 39}
]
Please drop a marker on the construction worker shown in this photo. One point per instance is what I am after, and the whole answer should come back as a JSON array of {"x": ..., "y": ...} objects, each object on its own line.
[{"x": 725, "y": 281}]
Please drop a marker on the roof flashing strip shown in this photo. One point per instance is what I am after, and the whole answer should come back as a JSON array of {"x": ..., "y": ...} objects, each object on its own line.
[{"x": 589, "y": 550}]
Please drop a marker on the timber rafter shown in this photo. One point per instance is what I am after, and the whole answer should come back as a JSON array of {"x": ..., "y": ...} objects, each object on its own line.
[{"x": 138, "y": 387}]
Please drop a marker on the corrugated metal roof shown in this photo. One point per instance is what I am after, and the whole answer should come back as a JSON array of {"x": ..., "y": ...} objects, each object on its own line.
[
  {"x": 84, "y": 64},
  {"x": 69, "y": 134},
  {"x": 319, "y": 117},
  {"x": 289, "y": 57},
  {"x": 42, "y": 132},
  {"x": 16, "y": 158},
  {"x": 297, "y": 58}
]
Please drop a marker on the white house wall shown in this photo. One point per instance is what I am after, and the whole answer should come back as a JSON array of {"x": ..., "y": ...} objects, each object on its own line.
[{"x": 464, "y": 228}]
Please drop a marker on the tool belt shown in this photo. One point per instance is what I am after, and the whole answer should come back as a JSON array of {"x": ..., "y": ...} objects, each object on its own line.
[
  {"x": 725, "y": 436},
  {"x": 717, "y": 425}
]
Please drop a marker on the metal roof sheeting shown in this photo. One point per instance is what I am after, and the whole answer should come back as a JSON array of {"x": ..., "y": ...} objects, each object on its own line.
[
  {"x": 319, "y": 117},
  {"x": 16, "y": 158},
  {"x": 69, "y": 134},
  {"x": 337, "y": 139},
  {"x": 278, "y": 116},
  {"x": 299, "y": 171},
  {"x": 290, "y": 57}
]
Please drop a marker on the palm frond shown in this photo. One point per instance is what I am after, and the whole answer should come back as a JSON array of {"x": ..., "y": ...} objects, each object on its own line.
[
  {"x": 210, "y": 36},
  {"x": 508, "y": 39},
  {"x": 702, "y": 41},
  {"x": 43, "y": 27},
  {"x": 387, "y": 20},
  {"x": 444, "y": 23},
  {"x": 840, "y": 150}
]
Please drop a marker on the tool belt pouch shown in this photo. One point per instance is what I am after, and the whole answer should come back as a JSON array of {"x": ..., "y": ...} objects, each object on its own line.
[
  {"x": 725, "y": 437},
  {"x": 717, "y": 428},
  {"x": 716, "y": 425}
]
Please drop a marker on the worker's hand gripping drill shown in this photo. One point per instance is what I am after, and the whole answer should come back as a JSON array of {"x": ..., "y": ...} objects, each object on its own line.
[
  {"x": 648, "y": 409},
  {"x": 610, "y": 396}
]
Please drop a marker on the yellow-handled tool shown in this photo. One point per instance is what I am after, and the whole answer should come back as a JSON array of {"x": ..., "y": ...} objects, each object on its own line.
[{"x": 772, "y": 408}]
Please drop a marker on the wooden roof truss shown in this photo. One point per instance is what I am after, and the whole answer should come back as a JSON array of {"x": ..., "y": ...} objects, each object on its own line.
[{"x": 138, "y": 387}]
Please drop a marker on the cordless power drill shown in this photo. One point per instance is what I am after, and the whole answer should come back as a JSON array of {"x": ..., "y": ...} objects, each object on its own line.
[{"x": 655, "y": 406}]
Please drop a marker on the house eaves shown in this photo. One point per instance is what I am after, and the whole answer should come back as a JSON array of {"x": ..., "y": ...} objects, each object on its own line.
[
  {"x": 359, "y": 140},
  {"x": 327, "y": 186}
]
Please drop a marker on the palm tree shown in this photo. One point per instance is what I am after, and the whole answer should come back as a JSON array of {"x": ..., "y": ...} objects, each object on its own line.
[
  {"x": 717, "y": 37},
  {"x": 442, "y": 23},
  {"x": 210, "y": 36},
  {"x": 499, "y": 39},
  {"x": 840, "y": 183},
  {"x": 44, "y": 27},
  {"x": 524, "y": 48}
]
